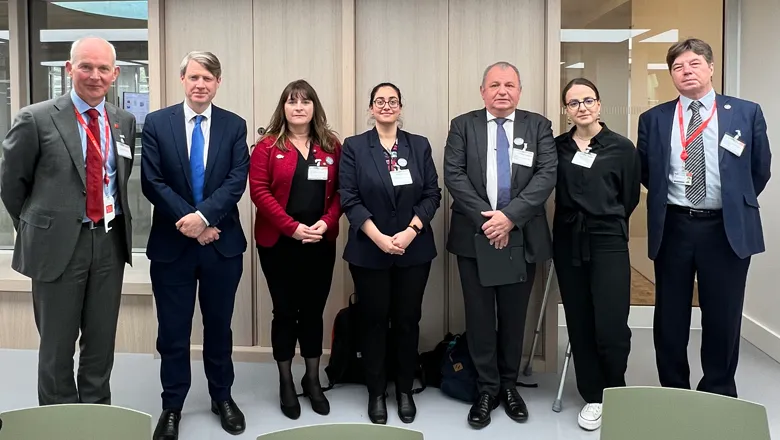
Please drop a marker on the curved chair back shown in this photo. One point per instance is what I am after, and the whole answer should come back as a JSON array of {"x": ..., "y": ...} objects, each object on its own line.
[
  {"x": 645, "y": 413},
  {"x": 342, "y": 431},
  {"x": 75, "y": 422}
]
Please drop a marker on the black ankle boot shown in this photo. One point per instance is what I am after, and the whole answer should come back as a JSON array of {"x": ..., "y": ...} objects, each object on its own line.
[
  {"x": 407, "y": 410},
  {"x": 377, "y": 409}
]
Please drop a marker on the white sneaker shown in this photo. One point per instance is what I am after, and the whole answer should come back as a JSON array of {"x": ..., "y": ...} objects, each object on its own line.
[{"x": 590, "y": 417}]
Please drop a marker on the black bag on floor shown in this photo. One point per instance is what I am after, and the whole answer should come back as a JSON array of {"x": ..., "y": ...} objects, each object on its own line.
[
  {"x": 430, "y": 363},
  {"x": 458, "y": 374}
]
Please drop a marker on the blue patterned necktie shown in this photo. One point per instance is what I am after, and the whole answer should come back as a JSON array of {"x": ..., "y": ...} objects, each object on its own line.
[
  {"x": 503, "y": 166},
  {"x": 196, "y": 160},
  {"x": 695, "y": 164}
]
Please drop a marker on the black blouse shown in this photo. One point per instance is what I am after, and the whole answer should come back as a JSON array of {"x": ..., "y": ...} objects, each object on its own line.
[
  {"x": 599, "y": 199},
  {"x": 307, "y": 197}
]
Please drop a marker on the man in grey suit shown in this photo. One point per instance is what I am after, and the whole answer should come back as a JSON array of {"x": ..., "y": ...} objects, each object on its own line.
[
  {"x": 500, "y": 167},
  {"x": 63, "y": 180}
]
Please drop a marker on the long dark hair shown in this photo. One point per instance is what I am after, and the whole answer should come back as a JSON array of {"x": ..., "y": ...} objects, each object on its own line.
[{"x": 319, "y": 131}]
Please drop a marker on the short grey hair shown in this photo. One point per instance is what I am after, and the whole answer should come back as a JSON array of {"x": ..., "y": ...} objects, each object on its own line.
[
  {"x": 77, "y": 43},
  {"x": 206, "y": 59},
  {"x": 502, "y": 65}
]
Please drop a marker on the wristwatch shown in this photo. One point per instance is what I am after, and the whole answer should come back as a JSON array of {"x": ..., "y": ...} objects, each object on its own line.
[{"x": 416, "y": 229}]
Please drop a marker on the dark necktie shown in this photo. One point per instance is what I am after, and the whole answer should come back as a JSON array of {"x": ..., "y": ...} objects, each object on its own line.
[
  {"x": 94, "y": 165},
  {"x": 694, "y": 164},
  {"x": 504, "y": 168}
]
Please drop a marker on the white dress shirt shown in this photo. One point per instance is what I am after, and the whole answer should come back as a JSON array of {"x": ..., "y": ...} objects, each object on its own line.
[
  {"x": 205, "y": 125},
  {"x": 492, "y": 166},
  {"x": 676, "y": 196}
]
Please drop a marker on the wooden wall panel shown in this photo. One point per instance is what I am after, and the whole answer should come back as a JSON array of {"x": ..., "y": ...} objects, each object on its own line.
[
  {"x": 405, "y": 42},
  {"x": 228, "y": 38},
  {"x": 297, "y": 39}
]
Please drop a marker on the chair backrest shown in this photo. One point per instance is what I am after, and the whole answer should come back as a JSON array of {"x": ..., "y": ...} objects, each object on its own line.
[
  {"x": 75, "y": 422},
  {"x": 644, "y": 413},
  {"x": 342, "y": 431}
]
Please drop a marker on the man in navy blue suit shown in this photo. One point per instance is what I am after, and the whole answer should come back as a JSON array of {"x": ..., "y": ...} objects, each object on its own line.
[
  {"x": 194, "y": 168},
  {"x": 705, "y": 159}
]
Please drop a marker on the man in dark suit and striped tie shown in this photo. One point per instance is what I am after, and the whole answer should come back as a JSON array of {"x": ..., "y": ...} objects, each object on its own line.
[{"x": 705, "y": 159}]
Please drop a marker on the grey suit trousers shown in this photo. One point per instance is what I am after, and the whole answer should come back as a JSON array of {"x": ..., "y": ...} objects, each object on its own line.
[{"x": 85, "y": 299}]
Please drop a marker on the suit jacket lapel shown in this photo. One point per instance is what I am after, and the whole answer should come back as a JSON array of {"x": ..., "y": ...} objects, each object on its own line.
[
  {"x": 377, "y": 152},
  {"x": 65, "y": 121},
  {"x": 215, "y": 140},
  {"x": 180, "y": 139},
  {"x": 480, "y": 127},
  {"x": 519, "y": 132},
  {"x": 724, "y": 122},
  {"x": 116, "y": 134},
  {"x": 665, "y": 125}
]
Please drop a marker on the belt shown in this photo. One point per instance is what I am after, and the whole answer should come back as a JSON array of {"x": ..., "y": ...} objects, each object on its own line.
[
  {"x": 696, "y": 213},
  {"x": 580, "y": 237},
  {"x": 98, "y": 224}
]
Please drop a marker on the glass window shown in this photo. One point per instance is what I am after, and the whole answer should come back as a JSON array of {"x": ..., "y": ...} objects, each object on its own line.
[
  {"x": 53, "y": 28},
  {"x": 6, "y": 226},
  {"x": 621, "y": 46}
]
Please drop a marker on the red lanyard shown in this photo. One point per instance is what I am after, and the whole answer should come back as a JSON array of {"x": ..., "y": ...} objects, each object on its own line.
[
  {"x": 94, "y": 142},
  {"x": 685, "y": 142}
]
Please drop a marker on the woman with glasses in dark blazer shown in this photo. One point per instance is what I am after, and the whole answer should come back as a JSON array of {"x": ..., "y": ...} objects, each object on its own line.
[
  {"x": 389, "y": 192},
  {"x": 293, "y": 178}
]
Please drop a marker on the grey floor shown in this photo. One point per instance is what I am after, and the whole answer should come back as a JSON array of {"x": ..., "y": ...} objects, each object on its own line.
[{"x": 135, "y": 385}]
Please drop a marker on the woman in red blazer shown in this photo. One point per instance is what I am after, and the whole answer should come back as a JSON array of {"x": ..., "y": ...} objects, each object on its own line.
[{"x": 293, "y": 181}]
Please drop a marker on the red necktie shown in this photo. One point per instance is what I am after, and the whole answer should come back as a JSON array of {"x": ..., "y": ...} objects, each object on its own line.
[{"x": 94, "y": 166}]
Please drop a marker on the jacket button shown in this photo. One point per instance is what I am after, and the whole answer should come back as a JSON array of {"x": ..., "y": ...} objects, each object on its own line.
[
  {"x": 392, "y": 214},
  {"x": 84, "y": 192}
]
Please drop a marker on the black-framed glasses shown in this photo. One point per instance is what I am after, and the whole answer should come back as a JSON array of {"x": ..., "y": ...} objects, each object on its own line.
[
  {"x": 587, "y": 102},
  {"x": 392, "y": 102}
]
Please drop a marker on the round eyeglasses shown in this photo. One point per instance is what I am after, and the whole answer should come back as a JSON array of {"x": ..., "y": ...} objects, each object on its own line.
[
  {"x": 575, "y": 105},
  {"x": 380, "y": 102}
]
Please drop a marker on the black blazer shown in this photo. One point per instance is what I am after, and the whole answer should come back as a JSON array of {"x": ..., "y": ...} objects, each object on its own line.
[
  {"x": 465, "y": 168},
  {"x": 367, "y": 191}
]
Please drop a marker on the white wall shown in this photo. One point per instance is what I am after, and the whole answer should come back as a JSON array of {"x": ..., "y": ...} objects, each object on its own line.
[{"x": 758, "y": 82}]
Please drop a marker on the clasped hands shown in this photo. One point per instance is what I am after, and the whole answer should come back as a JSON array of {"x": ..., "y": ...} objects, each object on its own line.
[
  {"x": 310, "y": 234},
  {"x": 497, "y": 228},
  {"x": 193, "y": 226},
  {"x": 397, "y": 244}
]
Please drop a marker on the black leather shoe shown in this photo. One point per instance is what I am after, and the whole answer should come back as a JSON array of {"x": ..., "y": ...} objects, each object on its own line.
[
  {"x": 407, "y": 410},
  {"x": 479, "y": 415},
  {"x": 313, "y": 390},
  {"x": 514, "y": 405},
  {"x": 288, "y": 401},
  {"x": 168, "y": 426},
  {"x": 377, "y": 410},
  {"x": 232, "y": 418}
]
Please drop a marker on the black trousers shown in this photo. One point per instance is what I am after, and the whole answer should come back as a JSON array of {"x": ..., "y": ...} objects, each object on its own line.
[
  {"x": 496, "y": 357},
  {"x": 391, "y": 296},
  {"x": 202, "y": 270},
  {"x": 596, "y": 295},
  {"x": 698, "y": 247},
  {"x": 299, "y": 277}
]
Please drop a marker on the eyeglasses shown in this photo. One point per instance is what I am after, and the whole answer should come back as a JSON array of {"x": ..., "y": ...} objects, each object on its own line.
[
  {"x": 575, "y": 105},
  {"x": 380, "y": 102}
]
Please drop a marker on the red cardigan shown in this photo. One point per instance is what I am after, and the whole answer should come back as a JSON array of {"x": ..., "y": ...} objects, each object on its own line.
[{"x": 271, "y": 172}]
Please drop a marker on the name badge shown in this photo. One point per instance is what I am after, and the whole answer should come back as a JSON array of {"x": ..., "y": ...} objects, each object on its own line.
[
  {"x": 523, "y": 157},
  {"x": 732, "y": 144},
  {"x": 318, "y": 173},
  {"x": 108, "y": 211},
  {"x": 401, "y": 177},
  {"x": 683, "y": 178},
  {"x": 584, "y": 159},
  {"x": 124, "y": 150}
]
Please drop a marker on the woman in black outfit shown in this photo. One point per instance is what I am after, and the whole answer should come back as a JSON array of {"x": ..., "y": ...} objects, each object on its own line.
[
  {"x": 389, "y": 192},
  {"x": 597, "y": 190}
]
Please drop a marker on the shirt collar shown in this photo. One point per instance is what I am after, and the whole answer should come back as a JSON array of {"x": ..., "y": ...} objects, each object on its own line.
[
  {"x": 707, "y": 101},
  {"x": 82, "y": 106},
  {"x": 490, "y": 116},
  {"x": 189, "y": 113}
]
